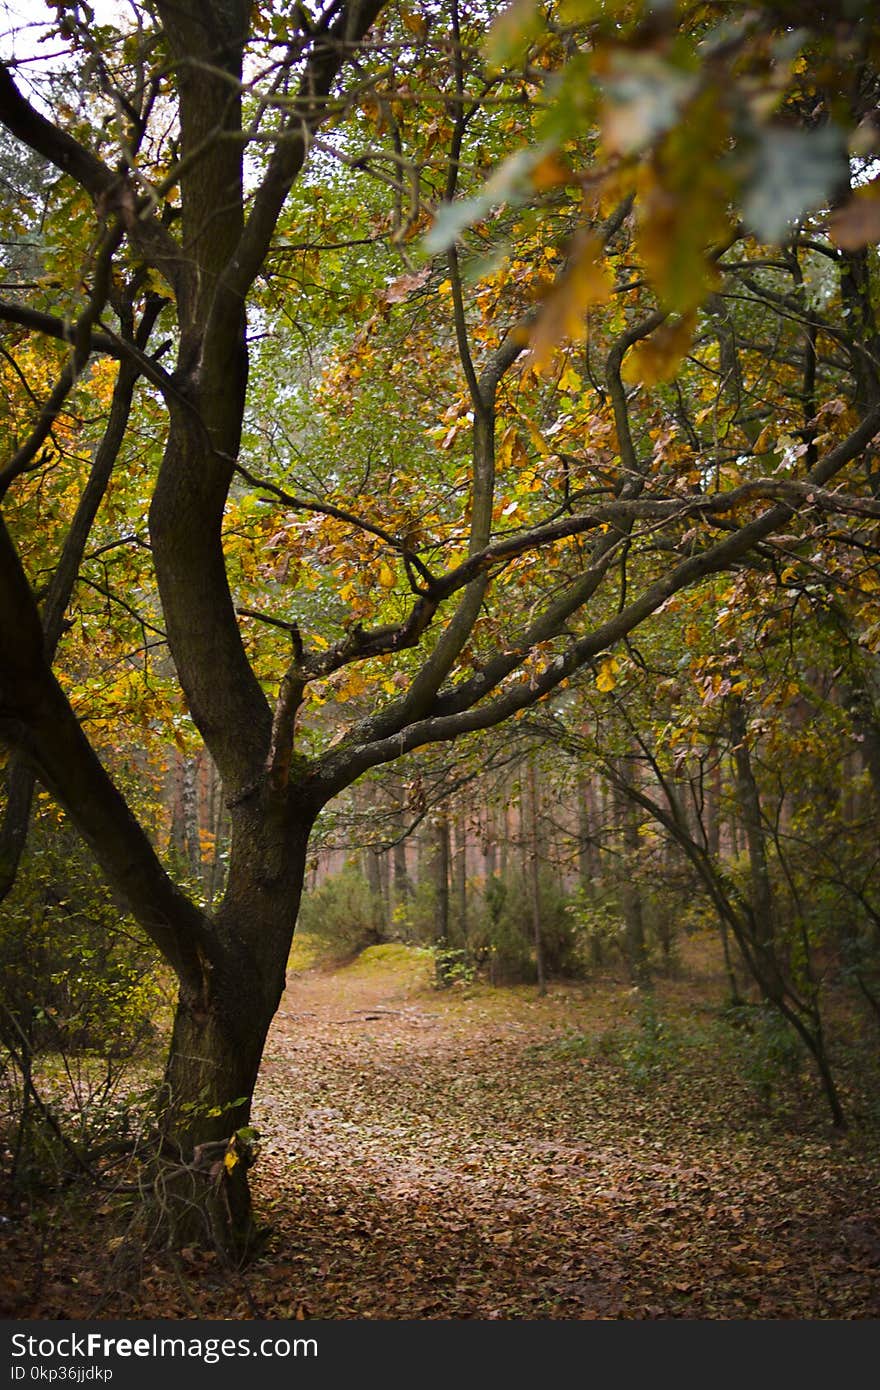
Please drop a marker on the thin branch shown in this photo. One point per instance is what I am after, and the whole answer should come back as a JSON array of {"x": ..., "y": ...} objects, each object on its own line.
[{"x": 305, "y": 504}]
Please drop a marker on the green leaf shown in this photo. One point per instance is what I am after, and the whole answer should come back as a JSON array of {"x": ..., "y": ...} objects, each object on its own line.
[{"x": 512, "y": 31}]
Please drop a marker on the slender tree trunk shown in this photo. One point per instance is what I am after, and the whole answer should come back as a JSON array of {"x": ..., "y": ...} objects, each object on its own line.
[
  {"x": 713, "y": 812},
  {"x": 490, "y": 843},
  {"x": 504, "y": 845},
  {"x": 373, "y": 876},
  {"x": 713, "y": 849},
  {"x": 630, "y": 896},
  {"x": 460, "y": 876},
  {"x": 425, "y": 855},
  {"x": 441, "y": 878},
  {"x": 384, "y": 893},
  {"x": 534, "y": 873},
  {"x": 588, "y": 858},
  {"x": 191, "y": 841},
  {"x": 748, "y": 797},
  {"x": 586, "y": 847},
  {"x": 401, "y": 885},
  {"x": 402, "y": 888}
]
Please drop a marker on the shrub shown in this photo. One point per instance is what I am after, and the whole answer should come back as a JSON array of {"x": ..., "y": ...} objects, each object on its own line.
[
  {"x": 502, "y": 939},
  {"x": 770, "y": 1056},
  {"x": 77, "y": 976},
  {"x": 82, "y": 997},
  {"x": 343, "y": 915}
]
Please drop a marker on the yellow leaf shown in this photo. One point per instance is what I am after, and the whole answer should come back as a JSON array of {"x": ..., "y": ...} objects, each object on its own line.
[
  {"x": 570, "y": 380},
  {"x": 386, "y": 576},
  {"x": 857, "y": 223},
  {"x": 538, "y": 440},
  {"x": 550, "y": 172},
  {"x": 766, "y": 439},
  {"x": 414, "y": 23},
  {"x": 512, "y": 30},
  {"x": 658, "y": 357},
  {"x": 606, "y": 679},
  {"x": 230, "y": 1159},
  {"x": 512, "y": 451}
]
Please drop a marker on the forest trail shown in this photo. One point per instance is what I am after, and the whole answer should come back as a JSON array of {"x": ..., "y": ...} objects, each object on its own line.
[
  {"x": 490, "y": 1154},
  {"x": 480, "y": 1153}
]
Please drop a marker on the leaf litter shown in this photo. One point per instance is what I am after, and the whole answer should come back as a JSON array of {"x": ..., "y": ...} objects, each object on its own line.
[{"x": 488, "y": 1154}]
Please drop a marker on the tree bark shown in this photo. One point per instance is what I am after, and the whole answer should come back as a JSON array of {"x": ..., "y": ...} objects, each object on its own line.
[
  {"x": 219, "y": 1035},
  {"x": 748, "y": 798},
  {"x": 534, "y": 873},
  {"x": 630, "y": 895},
  {"x": 460, "y": 876}
]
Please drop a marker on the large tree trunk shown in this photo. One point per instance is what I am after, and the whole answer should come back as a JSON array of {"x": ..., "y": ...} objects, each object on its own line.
[
  {"x": 201, "y": 1189},
  {"x": 201, "y": 1183}
]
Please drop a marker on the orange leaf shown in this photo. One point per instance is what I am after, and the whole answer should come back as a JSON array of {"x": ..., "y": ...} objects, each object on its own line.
[
  {"x": 659, "y": 357},
  {"x": 857, "y": 223},
  {"x": 586, "y": 281}
]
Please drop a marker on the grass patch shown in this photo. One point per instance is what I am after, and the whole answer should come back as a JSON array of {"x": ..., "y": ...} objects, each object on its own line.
[
  {"x": 393, "y": 958},
  {"x": 307, "y": 952}
]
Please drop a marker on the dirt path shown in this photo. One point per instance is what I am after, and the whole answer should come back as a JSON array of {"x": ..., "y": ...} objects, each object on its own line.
[
  {"x": 439, "y": 1156},
  {"x": 486, "y": 1154}
]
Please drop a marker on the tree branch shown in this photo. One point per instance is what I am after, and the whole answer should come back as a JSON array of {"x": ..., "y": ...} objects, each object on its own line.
[{"x": 462, "y": 709}]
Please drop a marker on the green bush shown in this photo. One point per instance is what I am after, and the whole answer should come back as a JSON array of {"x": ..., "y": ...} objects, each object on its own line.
[
  {"x": 82, "y": 997},
  {"x": 343, "y": 915},
  {"x": 645, "y": 1050},
  {"x": 598, "y": 929},
  {"x": 650, "y": 1048},
  {"x": 415, "y": 921},
  {"x": 769, "y": 1055},
  {"x": 498, "y": 941},
  {"x": 76, "y": 975},
  {"x": 502, "y": 939}
]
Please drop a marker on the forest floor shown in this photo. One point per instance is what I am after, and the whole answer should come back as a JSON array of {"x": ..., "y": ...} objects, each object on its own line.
[{"x": 486, "y": 1153}]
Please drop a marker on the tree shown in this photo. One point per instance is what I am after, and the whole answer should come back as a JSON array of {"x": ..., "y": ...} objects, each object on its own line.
[{"x": 520, "y": 557}]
